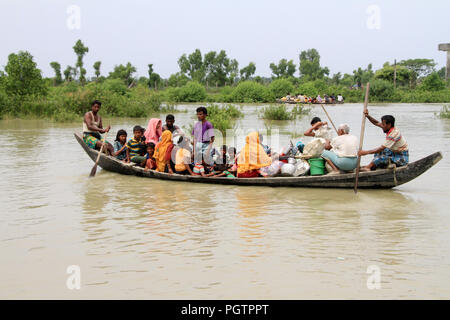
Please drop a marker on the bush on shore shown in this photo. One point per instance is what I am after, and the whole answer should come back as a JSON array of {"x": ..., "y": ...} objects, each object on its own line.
[
  {"x": 190, "y": 92},
  {"x": 250, "y": 91},
  {"x": 281, "y": 112},
  {"x": 67, "y": 103}
]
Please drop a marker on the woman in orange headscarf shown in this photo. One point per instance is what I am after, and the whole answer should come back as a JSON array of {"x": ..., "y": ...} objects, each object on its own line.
[
  {"x": 252, "y": 157},
  {"x": 163, "y": 151}
]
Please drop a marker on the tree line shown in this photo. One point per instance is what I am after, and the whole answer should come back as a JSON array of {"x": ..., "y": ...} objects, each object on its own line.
[{"x": 21, "y": 75}]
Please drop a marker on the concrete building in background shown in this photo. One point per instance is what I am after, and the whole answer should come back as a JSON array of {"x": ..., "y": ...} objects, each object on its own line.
[{"x": 446, "y": 47}]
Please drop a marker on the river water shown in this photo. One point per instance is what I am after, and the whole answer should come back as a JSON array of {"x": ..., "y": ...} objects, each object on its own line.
[{"x": 142, "y": 238}]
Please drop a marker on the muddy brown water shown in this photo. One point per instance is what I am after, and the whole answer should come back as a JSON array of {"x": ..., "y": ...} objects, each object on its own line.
[{"x": 142, "y": 238}]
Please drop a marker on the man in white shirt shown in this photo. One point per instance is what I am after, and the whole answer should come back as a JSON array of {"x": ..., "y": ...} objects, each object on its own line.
[{"x": 343, "y": 151}]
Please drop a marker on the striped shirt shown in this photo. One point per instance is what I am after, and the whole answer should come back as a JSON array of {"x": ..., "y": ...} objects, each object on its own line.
[
  {"x": 395, "y": 141},
  {"x": 198, "y": 169},
  {"x": 135, "y": 147}
]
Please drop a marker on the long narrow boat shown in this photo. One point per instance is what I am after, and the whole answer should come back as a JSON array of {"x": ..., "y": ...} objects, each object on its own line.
[
  {"x": 385, "y": 178},
  {"x": 298, "y": 102}
]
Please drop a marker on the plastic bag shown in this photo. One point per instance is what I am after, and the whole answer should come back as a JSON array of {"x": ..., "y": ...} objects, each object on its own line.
[
  {"x": 271, "y": 170},
  {"x": 301, "y": 168},
  {"x": 288, "y": 170},
  {"x": 314, "y": 148},
  {"x": 323, "y": 132}
]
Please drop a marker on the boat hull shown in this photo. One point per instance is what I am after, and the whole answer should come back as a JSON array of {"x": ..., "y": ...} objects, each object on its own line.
[{"x": 379, "y": 179}]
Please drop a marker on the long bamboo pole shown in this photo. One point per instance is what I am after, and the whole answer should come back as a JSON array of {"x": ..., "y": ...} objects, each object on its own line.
[
  {"x": 361, "y": 137},
  {"x": 329, "y": 118}
]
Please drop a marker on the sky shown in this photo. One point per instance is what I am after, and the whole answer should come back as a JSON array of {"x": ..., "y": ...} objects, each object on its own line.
[{"x": 347, "y": 33}]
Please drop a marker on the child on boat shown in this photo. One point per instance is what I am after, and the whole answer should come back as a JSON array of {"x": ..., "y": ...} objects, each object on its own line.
[
  {"x": 221, "y": 165},
  {"x": 199, "y": 170},
  {"x": 136, "y": 147},
  {"x": 150, "y": 163},
  {"x": 120, "y": 145},
  {"x": 232, "y": 162},
  {"x": 221, "y": 162}
]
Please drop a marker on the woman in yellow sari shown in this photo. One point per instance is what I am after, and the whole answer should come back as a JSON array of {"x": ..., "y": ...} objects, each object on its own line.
[
  {"x": 252, "y": 157},
  {"x": 163, "y": 151}
]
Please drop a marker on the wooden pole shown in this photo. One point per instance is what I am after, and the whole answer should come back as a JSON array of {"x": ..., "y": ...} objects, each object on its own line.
[
  {"x": 361, "y": 137},
  {"x": 94, "y": 168},
  {"x": 329, "y": 118}
]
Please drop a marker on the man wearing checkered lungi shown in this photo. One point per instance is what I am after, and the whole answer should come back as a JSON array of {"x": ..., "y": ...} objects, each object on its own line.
[{"x": 394, "y": 150}]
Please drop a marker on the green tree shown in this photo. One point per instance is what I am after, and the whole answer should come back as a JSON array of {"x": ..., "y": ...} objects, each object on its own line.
[
  {"x": 154, "y": 79},
  {"x": 433, "y": 82},
  {"x": 248, "y": 71},
  {"x": 381, "y": 90},
  {"x": 124, "y": 73},
  {"x": 70, "y": 73},
  {"x": 387, "y": 73},
  {"x": 284, "y": 69},
  {"x": 22, "y": 76},
  {"x": 208, "y": 65},
  {"x": 281, "y": 87},
  {"x": 2, "y": 79},
  {"x": 80, "y": 51},
  {"x": 177, "y": 80},
  {"x": 336, "y": 78},
  {"x": 219, "y": 68},
  {"x": 232, "y": 70},
  {"x": 347, "y": 80},
  {"x": 362, "y": 76},
  {"x": 97, "y": 65},
  {"x": 58, "y": 76},
  {"x": 419, "y": 68},
  {"x": 192, "y": 66},
  {"x": 310, "y": 68},
  {"x": 259, "y": 79},
  {"x": 150, "y": 72},
  {"x": 441, "y": 73}
]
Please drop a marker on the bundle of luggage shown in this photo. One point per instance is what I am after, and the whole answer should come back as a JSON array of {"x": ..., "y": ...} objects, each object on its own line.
[{"x": 300, "y": 159}]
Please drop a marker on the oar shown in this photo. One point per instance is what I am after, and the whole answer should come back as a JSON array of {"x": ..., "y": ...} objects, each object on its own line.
[
  {"x": 329, "y": 117},
  {"x": 361, "y": 137},
  {"x": 94, "y": 168}
]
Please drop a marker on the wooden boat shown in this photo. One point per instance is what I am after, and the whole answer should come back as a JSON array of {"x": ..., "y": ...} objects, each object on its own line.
[
  {"x": 298, "y": 102},
  {"x": 385, "y": 178}
]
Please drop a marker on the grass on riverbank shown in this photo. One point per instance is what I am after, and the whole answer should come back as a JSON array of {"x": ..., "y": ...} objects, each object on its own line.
[
  {"x": 444, "y": 113},
  {"x": 70, "y": 101}
]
